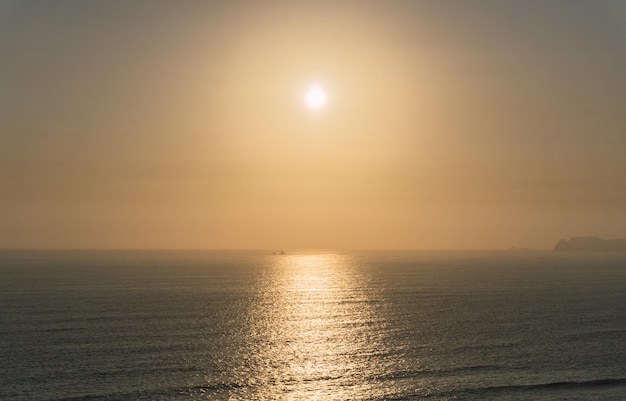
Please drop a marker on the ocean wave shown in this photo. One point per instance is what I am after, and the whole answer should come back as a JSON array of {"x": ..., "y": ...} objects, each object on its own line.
[
  {"x": 482, "y": 392},
  {"x": 424, "y": 373},
  {"x": 157, "y": 394},
  {"x": 562, "y": 385}
]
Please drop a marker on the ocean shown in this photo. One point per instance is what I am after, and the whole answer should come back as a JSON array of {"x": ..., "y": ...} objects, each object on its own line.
[{"x": 200, "y": 325}]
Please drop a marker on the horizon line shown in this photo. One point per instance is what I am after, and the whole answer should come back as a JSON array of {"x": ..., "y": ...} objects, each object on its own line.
[{"x": 271, "y": 249}]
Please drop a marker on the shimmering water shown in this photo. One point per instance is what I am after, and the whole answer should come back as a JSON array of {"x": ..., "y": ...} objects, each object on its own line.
[{"x": 312, "y": 326}]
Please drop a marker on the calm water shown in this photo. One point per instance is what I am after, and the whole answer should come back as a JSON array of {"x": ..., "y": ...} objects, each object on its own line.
[{"x": 368, "y": 326}]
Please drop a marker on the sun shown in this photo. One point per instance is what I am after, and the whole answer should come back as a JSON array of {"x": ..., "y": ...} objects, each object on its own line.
[{"x": 315, "y": 97}]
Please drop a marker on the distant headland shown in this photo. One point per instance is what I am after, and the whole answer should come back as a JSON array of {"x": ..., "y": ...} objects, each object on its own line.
[{"x": 591, "y": 244}]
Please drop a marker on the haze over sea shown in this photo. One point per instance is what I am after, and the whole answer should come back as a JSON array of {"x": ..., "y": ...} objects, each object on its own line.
[{"x": 131, "y": 325}]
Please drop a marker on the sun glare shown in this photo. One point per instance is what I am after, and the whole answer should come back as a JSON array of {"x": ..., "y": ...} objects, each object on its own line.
[{"x": 315, "y": 97}]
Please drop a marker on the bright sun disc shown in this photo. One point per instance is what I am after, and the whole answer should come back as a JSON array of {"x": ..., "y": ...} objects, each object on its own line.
[{"x": 316, "y": 97}]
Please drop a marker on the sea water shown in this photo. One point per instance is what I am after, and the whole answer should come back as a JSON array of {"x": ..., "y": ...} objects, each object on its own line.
[{"x": 129, "y": 325}]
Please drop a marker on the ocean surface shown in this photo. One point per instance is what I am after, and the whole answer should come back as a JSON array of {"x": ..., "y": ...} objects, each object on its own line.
[{"x": 126, "y": 325}]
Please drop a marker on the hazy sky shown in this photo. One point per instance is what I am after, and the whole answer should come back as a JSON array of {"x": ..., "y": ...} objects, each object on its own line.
[{"x": 182, "y": 124}]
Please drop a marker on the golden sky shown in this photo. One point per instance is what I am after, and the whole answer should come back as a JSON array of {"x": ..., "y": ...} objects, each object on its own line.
[{"x": 456, "y": 124}]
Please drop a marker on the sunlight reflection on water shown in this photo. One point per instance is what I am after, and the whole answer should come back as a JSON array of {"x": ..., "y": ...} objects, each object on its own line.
[{"x": 314, "y": 333}]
